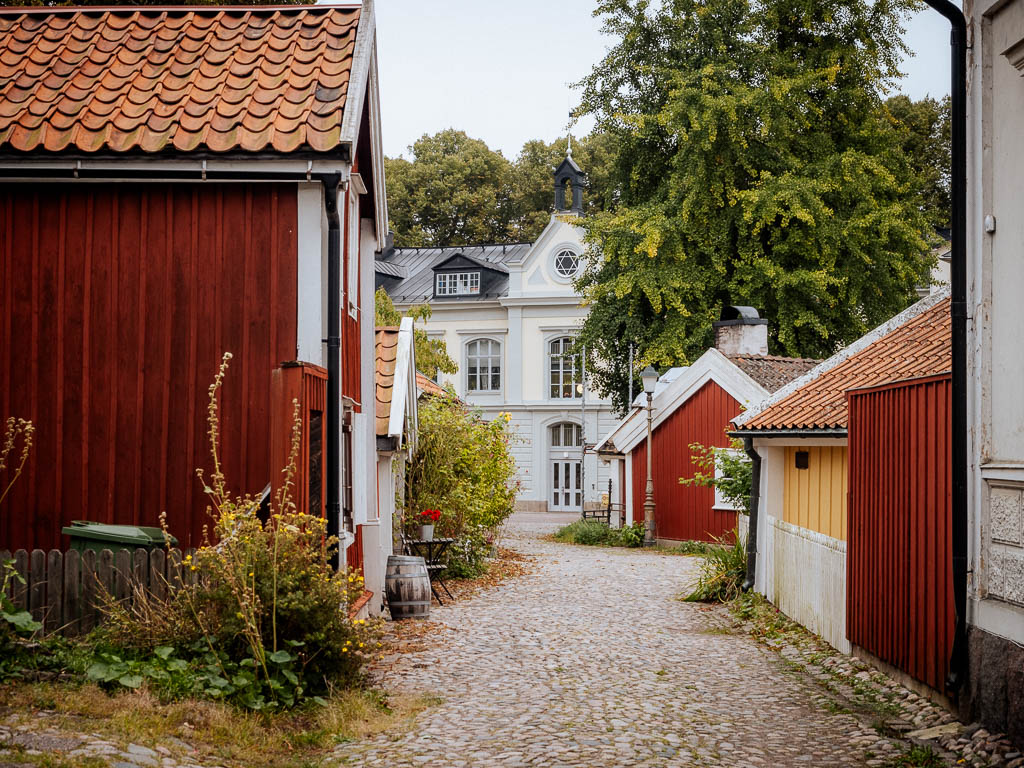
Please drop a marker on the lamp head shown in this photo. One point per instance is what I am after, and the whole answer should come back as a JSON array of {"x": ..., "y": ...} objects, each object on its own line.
[{"x": 650, "y": 379}]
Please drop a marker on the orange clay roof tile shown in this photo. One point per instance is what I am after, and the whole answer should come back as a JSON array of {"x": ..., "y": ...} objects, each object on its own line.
[
  {"x": 918, "y": 347},
  {"x": 195, "y": 78},
  {"x": 386, "y": 360}
]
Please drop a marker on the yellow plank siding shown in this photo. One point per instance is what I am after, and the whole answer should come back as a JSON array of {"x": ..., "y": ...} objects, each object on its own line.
[{"x": 815, "y": 498}]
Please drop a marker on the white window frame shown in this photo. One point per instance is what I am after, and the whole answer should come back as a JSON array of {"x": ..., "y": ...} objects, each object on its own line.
[
  {"x": 494, "y": 354},
  {"x": 549, "y": 370},
  {"x": 354, "y": 236},
  {"x": 721, "y": 503},
  {"x": 457, "y": 283},
  {"x": 554, "y": 264}
]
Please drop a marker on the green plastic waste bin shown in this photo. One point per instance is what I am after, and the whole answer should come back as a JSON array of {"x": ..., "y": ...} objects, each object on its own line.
[{"x": 99, "y": 536}]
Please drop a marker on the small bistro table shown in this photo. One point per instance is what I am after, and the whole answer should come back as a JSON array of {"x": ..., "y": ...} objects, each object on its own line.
[{"x": 431, "y": 550}]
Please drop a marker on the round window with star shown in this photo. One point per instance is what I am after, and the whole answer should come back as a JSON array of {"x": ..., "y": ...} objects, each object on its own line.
[{"x": 567, "y": 264}]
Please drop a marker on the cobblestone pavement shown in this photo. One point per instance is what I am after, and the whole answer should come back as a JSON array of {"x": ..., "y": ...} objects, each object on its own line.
[{"x": 592, "y": 661}]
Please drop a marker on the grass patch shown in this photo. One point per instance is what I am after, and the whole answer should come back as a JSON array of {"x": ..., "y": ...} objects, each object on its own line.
[
  {"x": 688, "y": 548},
  {"x": 722, "y": 572},
  {"x": 217, "y": 731}
]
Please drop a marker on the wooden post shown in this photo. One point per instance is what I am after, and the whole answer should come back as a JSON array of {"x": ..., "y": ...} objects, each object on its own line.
[
  {"x": 89, "y": 587},
  {"x": 54, "y": 618},
  {"x": 37, "y": 584},
  {"x": 72, "y": 605}
]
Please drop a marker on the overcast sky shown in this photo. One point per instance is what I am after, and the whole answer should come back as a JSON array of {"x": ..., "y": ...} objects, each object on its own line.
[{"x": 501, "y": 70}]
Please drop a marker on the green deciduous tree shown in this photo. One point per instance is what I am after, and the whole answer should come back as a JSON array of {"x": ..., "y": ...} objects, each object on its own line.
[
  {"x": 457, "y": 191},
  {"x": 755, "y": 165},
  {"x": 431, "y": 354},
  {"x": 924, "y": 128}
]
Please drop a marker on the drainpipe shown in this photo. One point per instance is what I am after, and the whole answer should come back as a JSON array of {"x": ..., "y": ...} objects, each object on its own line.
[
  {"x": 958, "y": 317},
  {"x": 755, "y": 503},
  {"x": 331, "y": 184}
]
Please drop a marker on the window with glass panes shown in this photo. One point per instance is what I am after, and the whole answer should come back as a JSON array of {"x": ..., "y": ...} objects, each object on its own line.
[
  {"x": 457, "y": 283},
  {"x": 483, "y": 365},
  {"x": 566, "y": 435},
  {"x": 563, "y": 368}
]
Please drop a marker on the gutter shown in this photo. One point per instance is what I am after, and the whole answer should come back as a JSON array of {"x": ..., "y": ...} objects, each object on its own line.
[
  {"x": 748, "y": 433},
  {"x": 755, "y": 504},
  {"x": 331, "y": 183},
  {"x": 958, "y": 316}
]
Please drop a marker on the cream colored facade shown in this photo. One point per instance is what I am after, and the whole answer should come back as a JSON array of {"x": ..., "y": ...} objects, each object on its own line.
[
  {"x": 995, "y": 327},
  {"x": 534, "y": 309}
]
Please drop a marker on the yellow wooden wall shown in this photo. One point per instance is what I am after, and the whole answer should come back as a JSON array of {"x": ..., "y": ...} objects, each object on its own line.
[{"x": 815, "y": 498}]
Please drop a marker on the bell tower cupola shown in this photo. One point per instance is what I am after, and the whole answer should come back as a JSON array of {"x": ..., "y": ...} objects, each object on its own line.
[{"x": 569, "y": 183}]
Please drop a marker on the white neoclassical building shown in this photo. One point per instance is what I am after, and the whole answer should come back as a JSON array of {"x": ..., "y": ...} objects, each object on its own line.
[{"x": 507, "y": 314}]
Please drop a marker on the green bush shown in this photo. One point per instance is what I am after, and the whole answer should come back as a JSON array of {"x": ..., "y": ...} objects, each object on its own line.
[
  {"x": 594, "y": 533},
  {"x": 722, "y": 572},
  {"x": 463, "y": 466}
]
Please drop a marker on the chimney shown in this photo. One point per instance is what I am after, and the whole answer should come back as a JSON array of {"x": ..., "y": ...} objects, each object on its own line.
[{"x": 741, "y": 331}]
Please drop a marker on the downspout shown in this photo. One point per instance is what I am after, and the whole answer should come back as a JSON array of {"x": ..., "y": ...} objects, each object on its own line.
[
  {"x": 331, "y": 184},
  {"x": 755, "y": 504},
  {"x": 958, "y": 317}
]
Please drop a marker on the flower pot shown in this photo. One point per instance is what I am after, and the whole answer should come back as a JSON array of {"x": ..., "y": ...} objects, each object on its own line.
[{"x": 427, "y": 532}]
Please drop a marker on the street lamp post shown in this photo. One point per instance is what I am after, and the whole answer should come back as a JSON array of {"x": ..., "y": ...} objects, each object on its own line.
[{"x": 650, "y": 379}]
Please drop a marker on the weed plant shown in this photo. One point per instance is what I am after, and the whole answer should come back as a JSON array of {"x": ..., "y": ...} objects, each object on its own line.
[
  {"x": 722, "y": 571},
  {"x": 261, "y": 619}
]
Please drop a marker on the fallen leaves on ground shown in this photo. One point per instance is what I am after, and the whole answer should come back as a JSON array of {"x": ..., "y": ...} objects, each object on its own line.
[{"x": 509, "y": 564}]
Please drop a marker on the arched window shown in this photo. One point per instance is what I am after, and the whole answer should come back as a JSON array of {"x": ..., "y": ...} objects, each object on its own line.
[
  {"x": 564, "y": 368},
  {"x": 483, "y": 366},
  {"x": 567, "y": 264}
]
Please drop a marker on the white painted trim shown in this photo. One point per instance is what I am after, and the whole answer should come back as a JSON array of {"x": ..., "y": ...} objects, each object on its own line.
[
  {"x": 311, "y": 298},
  {"x": 539, "y": 301},
  {"x": 480, "y": 332},
  {"x": 404, "y": 363},
  {"x": 629, "y": 490},
  {"x": 840, "y": 357},
  {"x": 711, "y": 366},
  {"x": 359, "y": 75},
  {"x": 284, "y": 165}
]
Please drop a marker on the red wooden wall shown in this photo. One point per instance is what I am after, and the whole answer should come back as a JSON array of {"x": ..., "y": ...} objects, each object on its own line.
[
  {"x": 684, "y": 513},
  {"x": 116, "y": 303},
  {"x": 899, "y": 574},
  {"x": 350, "y": 325}
]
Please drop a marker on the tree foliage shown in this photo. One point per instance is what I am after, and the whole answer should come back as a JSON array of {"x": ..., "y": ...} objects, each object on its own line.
[
  {"x": 455, "y": 190},
  {"x": 755, "y": 165},
  {"x": 431, "y": 354},
  {"x": 924, "y": 128}
]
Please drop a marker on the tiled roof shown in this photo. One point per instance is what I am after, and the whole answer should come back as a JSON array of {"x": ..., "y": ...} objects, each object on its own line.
[
  {"x": 386, "y": 356},
  {"x": 772, "y": 371},
  {"x": 920, "y": 346},
  {"x": 427, "y": 386},
  {"x": 186, "y": 78}
]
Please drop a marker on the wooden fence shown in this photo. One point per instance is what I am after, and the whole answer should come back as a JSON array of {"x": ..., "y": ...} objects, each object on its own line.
[{"x": 63, "y": 590}]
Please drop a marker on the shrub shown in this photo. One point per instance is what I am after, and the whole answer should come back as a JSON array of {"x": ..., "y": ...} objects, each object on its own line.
[
  {"x": 594, "y": 533},
  {"x": 733, "y": 475},
  {"x": 464, "y": 467},
  {"x": 722, "y": 572},
  {"x": 262, "y": 618}
]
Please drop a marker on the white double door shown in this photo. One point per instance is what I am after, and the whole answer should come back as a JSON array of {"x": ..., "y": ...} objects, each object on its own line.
[{"x": 566, "y": 482}]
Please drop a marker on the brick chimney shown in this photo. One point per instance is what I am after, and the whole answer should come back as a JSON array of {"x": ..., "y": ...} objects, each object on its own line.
[{"x": 741, "y": 331}]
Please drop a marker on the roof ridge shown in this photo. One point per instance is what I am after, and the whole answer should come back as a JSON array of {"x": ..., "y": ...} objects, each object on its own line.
[{"x": 778, "y": 358}]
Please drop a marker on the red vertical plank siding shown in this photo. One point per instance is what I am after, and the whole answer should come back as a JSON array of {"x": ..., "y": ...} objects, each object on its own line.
[
  {"x": 683, "y": 512},
  {"x": 900, "y": 588},
  {"x": 117, "y": 303}
]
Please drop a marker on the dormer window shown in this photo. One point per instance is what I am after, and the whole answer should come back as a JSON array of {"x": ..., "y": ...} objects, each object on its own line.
[{"x": 457, "y": 283}]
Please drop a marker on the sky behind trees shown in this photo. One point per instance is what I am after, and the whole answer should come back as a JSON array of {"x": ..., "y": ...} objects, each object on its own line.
[{"x": 501, "y": 71}]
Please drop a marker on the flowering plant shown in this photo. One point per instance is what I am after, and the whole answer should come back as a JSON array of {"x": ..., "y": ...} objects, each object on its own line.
[{"x": 430, "y": 516}]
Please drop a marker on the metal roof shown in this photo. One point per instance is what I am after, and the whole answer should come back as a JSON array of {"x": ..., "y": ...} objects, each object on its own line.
[{"x": 418, "y": 263}]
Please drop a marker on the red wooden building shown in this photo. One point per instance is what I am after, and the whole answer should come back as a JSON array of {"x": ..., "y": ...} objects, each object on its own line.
[
  {"x": 900, "y": 594},
  {"x": 695, "y": 405},
  {"x": 177, "y": 183}
]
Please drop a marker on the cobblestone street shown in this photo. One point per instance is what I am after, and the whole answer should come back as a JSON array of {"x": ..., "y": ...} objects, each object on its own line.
[{"x": 590, "y": 660}]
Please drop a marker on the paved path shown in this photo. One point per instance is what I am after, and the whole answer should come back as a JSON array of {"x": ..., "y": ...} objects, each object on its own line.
[{"x": 591, "y": 661}]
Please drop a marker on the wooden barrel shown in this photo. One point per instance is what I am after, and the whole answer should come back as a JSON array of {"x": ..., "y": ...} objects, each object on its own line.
[{"x": 407, "y": 585}]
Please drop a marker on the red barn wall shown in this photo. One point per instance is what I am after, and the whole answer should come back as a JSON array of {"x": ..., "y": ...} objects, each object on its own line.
[
  {"x": 684, "y": 513},
  {"x": 116, "y": 303},
  {"x": 900, "y": 583}
]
